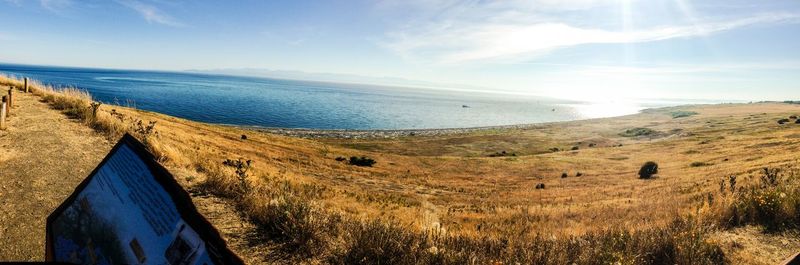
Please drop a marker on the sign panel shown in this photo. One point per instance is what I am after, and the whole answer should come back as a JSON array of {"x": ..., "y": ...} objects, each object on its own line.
[{"x": 130, "y": 210}]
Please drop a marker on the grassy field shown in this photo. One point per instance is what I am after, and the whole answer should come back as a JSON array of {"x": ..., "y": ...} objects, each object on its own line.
[{"x": 473, "y": 197}]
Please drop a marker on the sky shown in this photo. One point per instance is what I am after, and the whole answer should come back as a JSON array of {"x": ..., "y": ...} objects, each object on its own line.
[{"x": 578, "y": 49}]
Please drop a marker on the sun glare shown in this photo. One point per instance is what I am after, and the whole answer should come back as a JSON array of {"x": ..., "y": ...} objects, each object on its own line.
[
  {"x": 627, "y": 28},
  {"x": 605, "y": 109}
]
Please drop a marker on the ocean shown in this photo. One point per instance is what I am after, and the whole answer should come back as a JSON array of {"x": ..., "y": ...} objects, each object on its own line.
[{"x": 265, "y": 102}]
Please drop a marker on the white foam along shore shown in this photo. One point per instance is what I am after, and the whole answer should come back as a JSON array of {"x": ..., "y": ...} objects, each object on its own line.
[
  {"x": 378, "y": 133},
  {"x": 399, "y": 133}
]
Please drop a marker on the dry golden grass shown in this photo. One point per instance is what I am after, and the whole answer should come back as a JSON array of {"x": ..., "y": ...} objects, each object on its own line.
[{"x": 424, "y": 187}]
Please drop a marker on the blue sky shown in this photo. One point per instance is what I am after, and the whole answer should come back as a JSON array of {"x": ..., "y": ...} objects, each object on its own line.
[{"x": 583, "y": 49}]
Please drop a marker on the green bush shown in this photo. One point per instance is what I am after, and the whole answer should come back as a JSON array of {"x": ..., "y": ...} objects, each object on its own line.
[
  {"x": 699, "y": 164},
  {"x": 362, "y": 161},
  {"x": 635, "y": 132},
  {"x": 649, "y": 169},
  {"x": 502, "y": 153},
  {"x": 682, "y": 114}
]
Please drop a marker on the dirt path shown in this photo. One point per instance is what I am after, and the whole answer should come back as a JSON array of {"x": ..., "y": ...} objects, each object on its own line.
[{"x": 43, "y": 157}]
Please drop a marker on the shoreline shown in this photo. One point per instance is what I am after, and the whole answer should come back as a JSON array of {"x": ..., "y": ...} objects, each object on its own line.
[
  {"x": 310, "y": 133},
  {"x": 382, "y": 133}
]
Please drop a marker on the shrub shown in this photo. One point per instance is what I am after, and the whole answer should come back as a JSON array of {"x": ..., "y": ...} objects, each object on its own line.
[
  {"x": 699, "y": 164},
  {"x": 575, "y": 148},
  {"x": 782, "y": 121},
  {"x": 797, "y": 121},
  {"x": 635, "y": 132},
  {"x": 95, "y": 106},
  {"x": 240, "y": 168},
  {"x": 648, "y": 170},
  {"x": 377, "y": 242},
  {"x": 773, "y": 203},
  {"x": 564, "y": 175},
  {"x": 732, "y": 182},
  {"x": 362, "y": 161},
  {"x": 340, "y": 159},
  {"x": 770, "y": 176},
  {"x": 218, "y": 180},
  {"x": 143, "y": 130},
  {"x": 290, "y": 221},
  {"x": 682, "y": 114},
  {"x": 578, "y": 174},
  {"x": 502, "y": 153}
]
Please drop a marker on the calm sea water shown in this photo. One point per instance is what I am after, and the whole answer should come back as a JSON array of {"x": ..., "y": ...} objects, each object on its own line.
[{"x": 304, "y": 104}]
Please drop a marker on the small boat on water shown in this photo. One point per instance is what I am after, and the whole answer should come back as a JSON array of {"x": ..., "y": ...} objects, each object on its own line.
[{"x": 465, "y": 106}]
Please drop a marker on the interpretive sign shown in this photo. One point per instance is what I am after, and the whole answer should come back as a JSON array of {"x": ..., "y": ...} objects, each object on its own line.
[{"x": 130, "y": 210}]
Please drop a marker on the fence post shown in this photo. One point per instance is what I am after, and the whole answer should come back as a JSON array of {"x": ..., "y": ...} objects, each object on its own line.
[
  {"x": 3, "y": 114},
  {"x": 10, "y": 100},
  {"x": 26, "y": 85}
]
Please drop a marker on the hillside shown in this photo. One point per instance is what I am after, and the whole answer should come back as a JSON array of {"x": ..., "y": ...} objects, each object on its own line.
[{"x": 458, "y": 197}]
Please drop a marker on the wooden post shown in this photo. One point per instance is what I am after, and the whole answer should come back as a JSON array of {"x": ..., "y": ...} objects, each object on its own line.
[
  {"x": 3, "y": 114},
  {"x": 10, "y": 101},
  {"x": 26, "y": 85}
]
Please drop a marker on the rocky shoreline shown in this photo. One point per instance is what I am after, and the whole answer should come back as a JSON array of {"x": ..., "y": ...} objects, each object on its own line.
[
  {"x": 387, "y": 134},
  {"x": 400, "y": 133}
]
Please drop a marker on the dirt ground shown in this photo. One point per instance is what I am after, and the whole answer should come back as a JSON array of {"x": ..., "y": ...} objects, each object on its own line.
[
  {"x": 43, "y": 157},
  {"x": 750, "y": 244}
]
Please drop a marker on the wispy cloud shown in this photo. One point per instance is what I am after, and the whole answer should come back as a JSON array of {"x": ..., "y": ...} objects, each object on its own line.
[
  {"x": 514, "y": 35},
  {"x": 730, "y": 68},
  {"x": 439, "y": 6},
  {"x": 151, "y": 13},
  {"x": 14, "y": 2},
  {"x": 293, "y": 36},
  {"x": 55, "y": 6}
]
